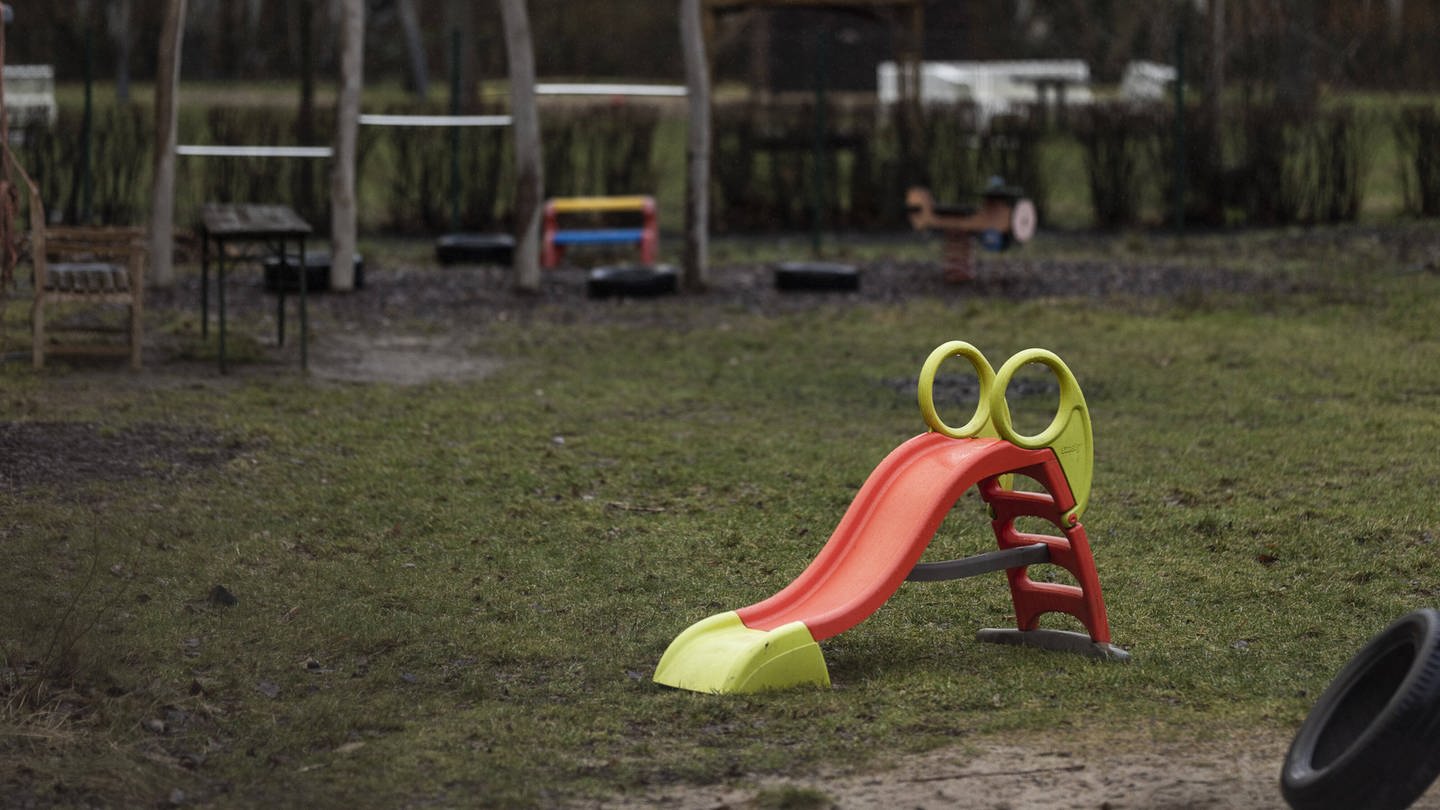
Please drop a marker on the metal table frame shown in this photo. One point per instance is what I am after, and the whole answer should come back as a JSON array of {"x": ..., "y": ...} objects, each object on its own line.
[{"x": 273, "y": 227}]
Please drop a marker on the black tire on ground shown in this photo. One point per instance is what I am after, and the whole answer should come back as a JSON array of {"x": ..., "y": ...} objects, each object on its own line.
[
  {"x": 816, "y": 276},
  {"x": 632, "y": 281},
  {"x": 475, "y": 248},
  {"x": 317, "y": 272},
  {"x": 1372, "y": 740}
]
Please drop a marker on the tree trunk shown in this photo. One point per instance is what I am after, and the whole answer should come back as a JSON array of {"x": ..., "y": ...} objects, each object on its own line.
[
  {"x": 696, "y": 263},
  {"x": 529, "y": 171},
  {"x": 9, "y": 200},
  {"x": 1215, "y": 89},
  {"x": 460, "y": 16},
  {"x": 347, "y": 126},
  {"x": 118, "y": 17},
  {"x": 1298, "y": 83},
  {"x": 761, "y": 41},
  {"x": 1215, "y": 84},
  {"x": 210, "y": 17},
  {"x": 162, "y": 197},
  {"x": 415, "y": 48},
  {"x": 305, "y": 122},
  {"x": 1395, "y": 14},
  {"x": 303, "y": 185},
  {"x": 256, "y": 51}
]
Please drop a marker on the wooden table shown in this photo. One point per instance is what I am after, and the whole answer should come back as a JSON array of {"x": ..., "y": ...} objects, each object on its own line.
[{"x": 270, "y": 228}]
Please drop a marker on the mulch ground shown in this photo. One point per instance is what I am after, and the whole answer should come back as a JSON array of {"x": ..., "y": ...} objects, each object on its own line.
[{"x": 465, "y": 296}]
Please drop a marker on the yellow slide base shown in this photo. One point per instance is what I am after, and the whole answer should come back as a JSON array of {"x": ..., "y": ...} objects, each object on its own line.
[{"x": 721, "y": 655}]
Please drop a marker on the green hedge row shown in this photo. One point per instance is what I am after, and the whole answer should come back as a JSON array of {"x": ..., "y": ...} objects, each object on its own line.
[
  {"x": 767, "y": 177},
  {"x": 406, "y": 175},
  {"x": 1264, "y": 166}
]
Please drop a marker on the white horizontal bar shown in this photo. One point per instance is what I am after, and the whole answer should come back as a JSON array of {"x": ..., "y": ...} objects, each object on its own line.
[
  {"x": 378, "y": 120},
  {"x": 207, "y": 150},
  {"x": 672, "y": 90}
]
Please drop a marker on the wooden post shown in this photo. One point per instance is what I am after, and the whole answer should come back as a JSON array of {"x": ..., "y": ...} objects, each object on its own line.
[
  {"x": 9, "y": 199},
  {"x": 529, "y": 170},
  {"x": 162, "y": 197},
  {"x": 414, "y": 48},
  {"x": 1179, "y": 192},
  {"x": 347, "y": 125},
  {"x": 695, "y": 272}
]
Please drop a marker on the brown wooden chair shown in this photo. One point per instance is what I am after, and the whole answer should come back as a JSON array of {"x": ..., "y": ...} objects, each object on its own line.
[
  {"x": 81, "y": 265},
  {"x": 91, "y": 266}
]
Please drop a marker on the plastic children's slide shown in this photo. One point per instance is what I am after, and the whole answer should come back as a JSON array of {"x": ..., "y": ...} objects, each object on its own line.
[{"x": 878, "y": 544}]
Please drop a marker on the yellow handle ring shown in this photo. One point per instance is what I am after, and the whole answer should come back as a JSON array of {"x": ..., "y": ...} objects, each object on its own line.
[
  {"x": 926, "y": 389},
  {"x": 1070, "y": 399}
]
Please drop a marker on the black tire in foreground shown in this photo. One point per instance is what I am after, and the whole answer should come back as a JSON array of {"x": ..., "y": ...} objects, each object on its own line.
[{"x": 1372, "y": 740}]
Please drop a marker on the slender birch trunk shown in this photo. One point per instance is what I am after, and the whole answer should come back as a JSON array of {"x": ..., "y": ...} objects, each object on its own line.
[
  {"x": 414, "y": 48},
  {"x": 529, "y": 171},
  {"x": 347, "y": 125},
  {"x": 162, "y": 197},
  {"x": 696, "y": 269}
]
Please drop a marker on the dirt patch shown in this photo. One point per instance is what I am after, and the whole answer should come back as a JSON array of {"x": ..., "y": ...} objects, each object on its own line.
[
  {"x": 67, "y": 456},
  {"x": 399, "y": 359},
  {"x": 1028, "y": 774}
]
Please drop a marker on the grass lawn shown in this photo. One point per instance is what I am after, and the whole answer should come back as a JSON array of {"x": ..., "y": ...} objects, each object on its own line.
[{"x": 381, "y": 596}]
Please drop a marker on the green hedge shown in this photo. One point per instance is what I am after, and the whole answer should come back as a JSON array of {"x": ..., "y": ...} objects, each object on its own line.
[
  {"x": 1264, "y": 166},
  {"x": 1417, "y": 136},
  {"x": 766, "y": 176}
]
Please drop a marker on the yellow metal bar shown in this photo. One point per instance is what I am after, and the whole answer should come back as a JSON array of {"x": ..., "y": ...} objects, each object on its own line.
[{"x": 572, "y": 205}]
